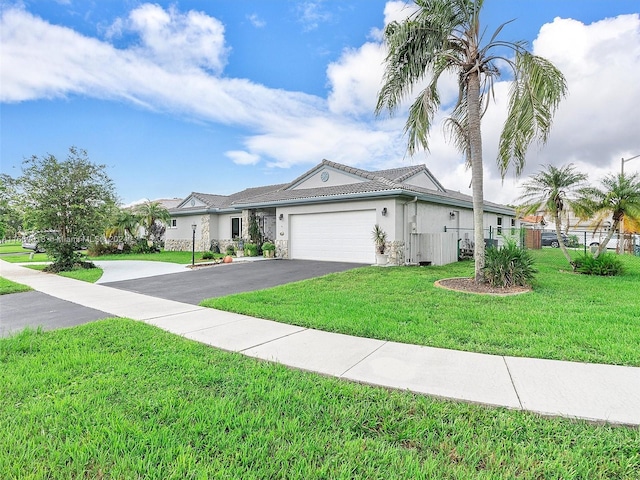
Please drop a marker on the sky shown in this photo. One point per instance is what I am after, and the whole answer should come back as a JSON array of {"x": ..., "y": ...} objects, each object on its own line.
[{"x": 220, "y": 95}]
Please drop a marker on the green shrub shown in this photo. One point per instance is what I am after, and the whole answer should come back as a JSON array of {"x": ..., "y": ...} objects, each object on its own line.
[
  {"x": 144, "y": 246},
  {"x": 268, "y": 246},
  {"x": 231, "y": 250},
  {"x": 605, "y": 264},
  {"x": 508, "y": 266},
  {"x": 100, "y": 248},
  {"x": 65, "y": 256},
  {"x": 250, "y": 249},
  {"x": 207, "y": 255}
]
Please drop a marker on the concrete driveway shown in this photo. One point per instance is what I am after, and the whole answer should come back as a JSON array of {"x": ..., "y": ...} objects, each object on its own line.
[{"x": 193, "y": 286}]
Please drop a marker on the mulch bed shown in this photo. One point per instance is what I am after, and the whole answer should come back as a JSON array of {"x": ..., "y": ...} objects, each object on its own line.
[{"x": 468, "y": 285}]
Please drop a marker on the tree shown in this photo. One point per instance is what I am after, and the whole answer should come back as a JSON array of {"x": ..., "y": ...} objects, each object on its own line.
[
  {"x": 152, "y": 216},
  {"x": 125, "y": 224},
  {"x": 552, "y": 190},
  {"x": 10, "y": 209},
  {"x": 445, "y": 36},
  {"x": 75, "y": 198},
  {"x": 618, "y": 197}
]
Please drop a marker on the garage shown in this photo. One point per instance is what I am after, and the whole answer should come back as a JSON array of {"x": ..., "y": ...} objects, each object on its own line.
[{"x": 334, "y": 236}]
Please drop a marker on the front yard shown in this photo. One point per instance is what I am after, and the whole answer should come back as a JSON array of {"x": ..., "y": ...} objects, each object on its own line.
[
  {"x": 567, "y": 316},
  {"x": 121, "y": 399}
]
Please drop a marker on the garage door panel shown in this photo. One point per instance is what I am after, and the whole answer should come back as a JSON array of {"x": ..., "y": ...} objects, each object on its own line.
[{"x": 336, "y": 236}]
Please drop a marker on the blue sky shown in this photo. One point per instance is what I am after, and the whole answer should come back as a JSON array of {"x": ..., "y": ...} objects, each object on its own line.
[{"x": 222, "y": 95}]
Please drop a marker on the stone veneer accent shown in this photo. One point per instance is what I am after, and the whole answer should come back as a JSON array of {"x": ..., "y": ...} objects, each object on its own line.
[
  {"x": 282, "y": 248},
  {"x": 396, "y": 252}
]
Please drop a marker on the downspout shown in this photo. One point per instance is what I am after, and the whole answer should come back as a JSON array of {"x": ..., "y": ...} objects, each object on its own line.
[{"x": 407, "y": 233}]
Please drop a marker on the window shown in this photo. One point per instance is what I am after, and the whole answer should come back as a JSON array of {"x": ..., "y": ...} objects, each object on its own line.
[
  {"x": 499, "y": 225},
  {"x": 236, "y": 227}
]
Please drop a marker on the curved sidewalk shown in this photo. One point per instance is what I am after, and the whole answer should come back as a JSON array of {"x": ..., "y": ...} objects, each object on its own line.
[{"x": 594, "y": 392}]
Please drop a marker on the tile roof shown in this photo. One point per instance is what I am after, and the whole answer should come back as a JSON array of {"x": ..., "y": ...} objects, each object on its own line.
[{"x": 386, "y": 182}]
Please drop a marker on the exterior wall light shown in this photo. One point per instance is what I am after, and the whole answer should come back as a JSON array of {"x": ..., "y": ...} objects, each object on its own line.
[
  {"x": 384, "y": 212},
  {"x": 193, "y": 245},
  {"x": 281, "y": 217}
]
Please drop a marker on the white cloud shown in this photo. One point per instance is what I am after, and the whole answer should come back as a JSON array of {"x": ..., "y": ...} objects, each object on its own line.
[
  {"x": 256, "y": 21},
  {"x": 355, "y": 80},
  {"x": 179, "y": 40},
  {"x": 240, "y": 157},
  {"x": 312, "y": 13}
]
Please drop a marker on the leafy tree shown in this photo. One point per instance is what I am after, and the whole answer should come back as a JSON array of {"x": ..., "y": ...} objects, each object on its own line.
[
  {"x": 552, "y": 190},
  {"x": 74, "y": 197},
  {"x": 10, "y": 209},
  {"x": 618, "y": 197},
  {"x": 151, "y": 216},
  {"x": 445, "y": 36}
]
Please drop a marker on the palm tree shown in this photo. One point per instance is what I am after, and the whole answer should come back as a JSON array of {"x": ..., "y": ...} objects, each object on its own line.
[
  {"x": 125, "y": 223},
  {"x": 149, "y": 213},
  {"x": 445, "y": 36},
  {"x": 618, "y": 197},
  {"x": 552, "y": 190}
]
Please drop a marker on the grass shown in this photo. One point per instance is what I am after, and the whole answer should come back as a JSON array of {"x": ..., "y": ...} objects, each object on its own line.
[
  {"x": 183, "y": 258},
  {"x": 121, "y": 399},
  {"x": 91, "y": 275},
  {"x": 14, "y": 246},
  {"x": 172, "y": 257},
  {"x": 26, "y": 258},
  {"x": 7, "y": 286},
  {"x": 566, "y": 317}
]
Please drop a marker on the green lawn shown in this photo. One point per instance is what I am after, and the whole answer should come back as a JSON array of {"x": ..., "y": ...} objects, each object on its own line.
[
  {"x": 26, "y": 257},
  {"x": 12, "y": 247},
  {"x": 566, "y": 317},
  {"x": 91, "y": 275},
  {"x": 120, "y": 399},
  {"x": 7, "y": 286},
  {"x": 172, "y": 257}
]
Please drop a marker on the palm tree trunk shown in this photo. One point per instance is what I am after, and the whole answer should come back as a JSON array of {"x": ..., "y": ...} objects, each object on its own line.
[
  {"x": 475, "y": 147},
  {"x": 607, "y": 239},
  {"x": 563, "y": 247}
]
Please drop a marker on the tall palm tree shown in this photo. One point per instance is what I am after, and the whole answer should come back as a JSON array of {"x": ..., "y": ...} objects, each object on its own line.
[
  {"x": 552, "y": 190},
  {"x": 150, "y": 213},
  {"x": 618, "y": 196},
  {"x": 445, "y": 36}
]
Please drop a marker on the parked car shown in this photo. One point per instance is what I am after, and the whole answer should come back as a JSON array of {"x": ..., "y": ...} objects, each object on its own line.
[
  {"x": 550, "y": 239},
  {"x": 34, "y": 240}
]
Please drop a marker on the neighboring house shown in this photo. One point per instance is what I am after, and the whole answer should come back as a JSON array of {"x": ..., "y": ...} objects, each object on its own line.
[{"x": 329, "y": 212}]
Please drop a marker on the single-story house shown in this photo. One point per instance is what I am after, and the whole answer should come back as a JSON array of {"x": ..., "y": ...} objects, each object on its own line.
[{"x": 329, "y": 212}]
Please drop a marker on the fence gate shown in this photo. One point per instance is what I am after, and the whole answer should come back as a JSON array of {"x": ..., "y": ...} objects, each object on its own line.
[{"x": 433, "y": 248}]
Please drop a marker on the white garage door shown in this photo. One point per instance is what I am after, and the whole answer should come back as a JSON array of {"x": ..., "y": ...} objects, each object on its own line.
[{"x": 337, "y": 237}]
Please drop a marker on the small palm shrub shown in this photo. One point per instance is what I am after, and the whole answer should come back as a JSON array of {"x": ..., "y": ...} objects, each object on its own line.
[
  {"x": 230, "y": 250},
  {"x": 508, "y": 266},
  {"x": 208, "y": 255},
  {"x": 606, "y": 264}
]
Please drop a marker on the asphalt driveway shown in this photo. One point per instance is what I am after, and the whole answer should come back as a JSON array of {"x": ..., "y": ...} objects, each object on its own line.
[
  {"x": 35, "y": 309},
  {"x": 193, "y": 286}
]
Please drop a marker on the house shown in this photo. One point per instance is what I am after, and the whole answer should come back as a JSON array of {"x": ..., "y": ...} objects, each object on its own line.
[{"x": 329, "y": 212}]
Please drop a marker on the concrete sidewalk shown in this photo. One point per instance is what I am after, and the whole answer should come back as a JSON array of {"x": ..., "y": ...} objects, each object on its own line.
[{"x": 600, "y": 393}]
